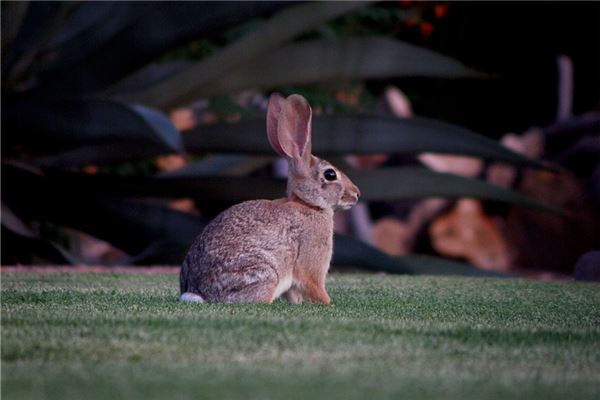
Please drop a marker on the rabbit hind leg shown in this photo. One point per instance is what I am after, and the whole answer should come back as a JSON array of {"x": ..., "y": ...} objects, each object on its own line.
[{"x": 257, "y": 284}]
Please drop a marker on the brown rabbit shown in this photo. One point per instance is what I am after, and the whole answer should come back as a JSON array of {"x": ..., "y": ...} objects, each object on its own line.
[{"x": 258, "y": 250}]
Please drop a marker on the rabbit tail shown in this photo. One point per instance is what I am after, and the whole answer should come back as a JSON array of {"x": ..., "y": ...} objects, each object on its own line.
[{"x": 189, "y": 297}]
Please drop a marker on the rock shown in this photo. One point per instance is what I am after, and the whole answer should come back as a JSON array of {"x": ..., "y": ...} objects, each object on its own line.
[
  {"x": 467, "y": 232},
  {"x": 587, "y": 267}
]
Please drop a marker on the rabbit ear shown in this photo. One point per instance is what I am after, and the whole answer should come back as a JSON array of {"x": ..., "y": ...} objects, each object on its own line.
[
  {"x": 276, "y": 103},
  {"x": 294, "y": 128}
]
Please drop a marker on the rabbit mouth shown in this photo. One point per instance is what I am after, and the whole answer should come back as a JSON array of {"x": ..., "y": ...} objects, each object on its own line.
[
  {"x": 348, "y": 201},
  {"x": 346, "y": 205}
]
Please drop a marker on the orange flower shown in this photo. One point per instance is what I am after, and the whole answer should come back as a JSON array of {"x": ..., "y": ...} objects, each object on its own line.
[
  {"x": 184, "y": 119},
  {"x": 91, "y": 169},
  {"x": 426, "y": 29},
  {"x": 440, "y": 10}
]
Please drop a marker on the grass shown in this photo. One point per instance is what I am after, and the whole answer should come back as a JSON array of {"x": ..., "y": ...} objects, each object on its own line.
[{"x": 120, "y": 336}]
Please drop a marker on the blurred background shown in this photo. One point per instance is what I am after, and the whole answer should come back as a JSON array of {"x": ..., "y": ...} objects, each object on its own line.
[{"x": 472, "y": 129}]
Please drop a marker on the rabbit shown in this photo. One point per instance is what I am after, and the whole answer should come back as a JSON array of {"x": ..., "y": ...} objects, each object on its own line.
[{"x": 258, "y": 250}]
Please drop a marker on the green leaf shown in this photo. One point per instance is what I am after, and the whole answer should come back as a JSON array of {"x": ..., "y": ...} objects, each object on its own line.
[
  {"x": 68, "y": 132},
  {"x": 282, "y": 27},
  {"x": 359, "y": 134},
  {"x": 352, "y": 252},
  {"x": 21, "y": 243},
  {"x": 386, "y": 184},
  {"x": 382, "y": 184},
  {"x": 150, "y": 75},
  {"x": 12, "y": 16},
  {"x": 143, "y": 228},
  {"x": 332, "y": 60},
  {"x": 221, "y": 164},
  {"x": 80, "y": 57},
  {"x": 42, "y": 22}
]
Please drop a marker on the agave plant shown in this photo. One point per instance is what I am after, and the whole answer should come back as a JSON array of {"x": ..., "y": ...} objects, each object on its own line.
[{"x": 89, "y": 83}]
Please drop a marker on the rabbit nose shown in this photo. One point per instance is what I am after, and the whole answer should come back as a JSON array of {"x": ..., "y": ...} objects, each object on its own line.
[{"x": 357, "y": 194}]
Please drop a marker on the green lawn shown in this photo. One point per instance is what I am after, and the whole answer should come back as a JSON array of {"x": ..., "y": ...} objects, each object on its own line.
[{"x": 119, "y": 336}]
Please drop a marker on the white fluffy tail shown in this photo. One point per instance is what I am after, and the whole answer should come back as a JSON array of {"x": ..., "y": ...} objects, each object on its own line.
[{"x": 189, "y": 297}]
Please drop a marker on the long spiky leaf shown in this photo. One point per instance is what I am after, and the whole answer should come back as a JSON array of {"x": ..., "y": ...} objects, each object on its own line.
[
  {"x": 359, "y": 134},
  {"x": 282, "y": 27}
]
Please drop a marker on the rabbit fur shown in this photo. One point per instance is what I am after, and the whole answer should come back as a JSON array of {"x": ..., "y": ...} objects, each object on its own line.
[{"x": 258, "y": 250}]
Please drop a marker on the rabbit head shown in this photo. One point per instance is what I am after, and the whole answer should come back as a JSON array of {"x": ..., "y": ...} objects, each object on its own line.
[{"x": 311, "y": 179}]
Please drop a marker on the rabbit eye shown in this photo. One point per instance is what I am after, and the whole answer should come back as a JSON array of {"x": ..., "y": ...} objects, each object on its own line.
[{"x": 330, "y": 174}]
